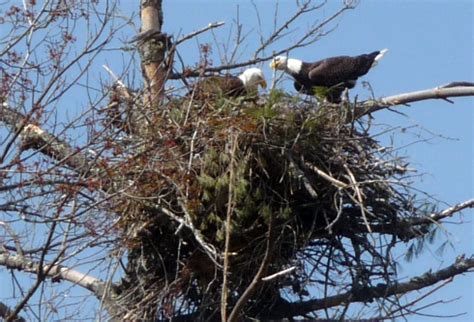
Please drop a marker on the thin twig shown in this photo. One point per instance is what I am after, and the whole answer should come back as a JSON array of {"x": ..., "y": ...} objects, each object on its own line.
[
  {"x": 200, "y": 31},
  {"x": 239, "y": 306},
  {"x": 280, "y": 273},
  {"x": 355, "y": 186},
  {"x": 301, "y": 175},
  {"x": 309, "y": 37},
  {"x": 324, "y": 175}
]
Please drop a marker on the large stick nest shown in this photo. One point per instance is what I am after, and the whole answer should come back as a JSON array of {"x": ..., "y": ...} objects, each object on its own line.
[{"x": 319, "y": 179}]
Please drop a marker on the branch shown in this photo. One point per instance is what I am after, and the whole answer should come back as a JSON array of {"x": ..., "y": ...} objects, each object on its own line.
[
  {"x": 406, "y": 229},
  {"x": 461, "y": 265},
  {"x": 400, "y": 99},
  {"x": 338, "y": 184},
  {"x": 437, "y": 216},
  {"x": 455, "y": 84},
  {"x": 36, "y": 138},
  {"x": 200, "y": 31},
  {"x": 88, "y": 282},
  {"x": 309, "y": 37},
  {"x": 278, "y": 274},
  {"x": 228, "y": 224},
  {"x": 286, "y": 25},
  {"x": 57, "y": 272},
  {"x": 208, "y": 248}
]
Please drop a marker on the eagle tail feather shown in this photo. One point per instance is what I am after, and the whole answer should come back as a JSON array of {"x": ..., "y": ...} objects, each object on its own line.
[{"x": 378, "y": 57}]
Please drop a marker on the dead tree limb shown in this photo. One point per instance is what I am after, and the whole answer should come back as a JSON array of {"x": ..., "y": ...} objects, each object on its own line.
[
  {"x": 57, "y": 272},
  {"x": 410, "y": 228},
  {"x": 369, "y": 107},
  {"x": 435, "y": 217},
  {"x": 38, "y": 139}
]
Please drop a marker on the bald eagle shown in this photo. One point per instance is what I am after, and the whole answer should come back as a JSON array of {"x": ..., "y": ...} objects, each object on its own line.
[
  {"x": 229, "y": 85},
  {"x": 333, "y": 74}
]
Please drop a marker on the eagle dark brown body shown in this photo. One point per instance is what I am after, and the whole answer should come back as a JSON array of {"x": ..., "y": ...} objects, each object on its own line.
[
  {"x": 334, "y": 74},
  {"x": 335, "y": 70},
  {"x": 218, "y": 86},
  {"x": 229, "y": 86}
]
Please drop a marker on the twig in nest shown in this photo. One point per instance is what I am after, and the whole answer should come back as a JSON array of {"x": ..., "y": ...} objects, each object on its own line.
[
  {"x": 280, "y": 273},
  {"x": 230, "y": 208},
  {"x": 300, "y": 173},
  {"x": 234, "y": 315},
  {"x": 355, "y": 186},
  {"x": 338, "y": 216},
  {"x": 209, "y": 249},
  {"x": 324, "y": 175}
]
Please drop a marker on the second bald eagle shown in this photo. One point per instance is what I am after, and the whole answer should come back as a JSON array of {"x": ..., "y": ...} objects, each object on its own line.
[
  {"x": 229, "y": 86},
  {"x": 334, "y": 74}
]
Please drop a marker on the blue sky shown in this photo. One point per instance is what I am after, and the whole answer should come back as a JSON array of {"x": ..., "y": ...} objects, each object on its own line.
[{"x": 430, "y": 43}]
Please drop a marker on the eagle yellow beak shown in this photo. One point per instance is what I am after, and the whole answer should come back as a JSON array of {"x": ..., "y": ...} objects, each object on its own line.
[
  {"x": 273, "y": 64},
  {"x": 263, "y": 83}
]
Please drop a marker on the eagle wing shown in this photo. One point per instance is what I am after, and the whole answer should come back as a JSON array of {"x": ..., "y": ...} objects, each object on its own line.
[
  {"x": 343, "y": 69},
  {"x": 215, "y": 86},
  {"x": 332, "y": 71}
]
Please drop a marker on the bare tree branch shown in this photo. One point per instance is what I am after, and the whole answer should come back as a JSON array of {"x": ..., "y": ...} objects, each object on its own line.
[
  {"x": 276, "y": 34},
  {"x": 38, "y": 139},
  {"x": 307, "y": 38},
  {"x": 461, "y": 266},
  {"x": 413, "y": 227},
  {"x": 57, "y": 272},
  {"x": 434, "y": 217},
  {"x": 200, "y": 31},
  {"x": 278, "y": 274},
  {"x": 369, "y": 107}
]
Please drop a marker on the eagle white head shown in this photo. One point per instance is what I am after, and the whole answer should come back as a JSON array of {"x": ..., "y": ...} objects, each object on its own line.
[
  {"x": 253, "y": 77},
  {"x": 290, "y": 65}
]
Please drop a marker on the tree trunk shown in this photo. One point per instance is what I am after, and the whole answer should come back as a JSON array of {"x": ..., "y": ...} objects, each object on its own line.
[{"x": 153, "y": 50}]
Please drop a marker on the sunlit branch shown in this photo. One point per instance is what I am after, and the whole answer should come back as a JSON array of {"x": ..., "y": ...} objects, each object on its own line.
[
  {"x": 56, "y": 272},
  {"x": 38, "y": 139},
  {"x": 405, "y": 98}
]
